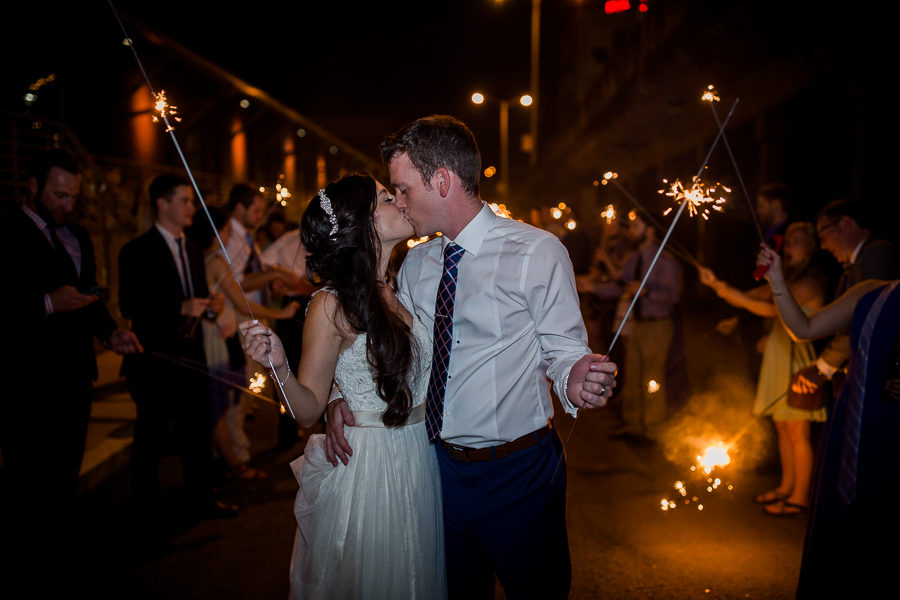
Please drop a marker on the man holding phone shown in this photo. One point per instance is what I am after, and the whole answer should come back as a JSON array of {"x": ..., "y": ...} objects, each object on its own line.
[{"x": 54, "y": 312}]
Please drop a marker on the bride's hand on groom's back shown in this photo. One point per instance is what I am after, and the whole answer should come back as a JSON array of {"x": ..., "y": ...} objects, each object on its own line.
[{"x": 337, "y": 414}]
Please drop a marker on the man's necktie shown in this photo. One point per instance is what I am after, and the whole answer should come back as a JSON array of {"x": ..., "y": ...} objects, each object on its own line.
[
  {"x": 187, "y": 286},
  {"x": 254, "y": 265},
  {"x": 443, "y": 341},
  {"x": 857, "y": 391}
]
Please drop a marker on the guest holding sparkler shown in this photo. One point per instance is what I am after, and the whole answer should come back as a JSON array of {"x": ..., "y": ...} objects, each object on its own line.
[
  {"x": 163, "y": 291},
  {"x": 652, "y": 329},
  {"x": 224, "y": 355},
  {"x": 782, "y": 358},
  {"x": 247, "y": 207},
  {"x": 373, "y": 529},
  {"x": 856, "y": 481}
]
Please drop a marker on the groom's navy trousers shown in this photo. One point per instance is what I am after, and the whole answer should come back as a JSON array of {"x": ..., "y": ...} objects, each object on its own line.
[{"x": 507, "y": 516}]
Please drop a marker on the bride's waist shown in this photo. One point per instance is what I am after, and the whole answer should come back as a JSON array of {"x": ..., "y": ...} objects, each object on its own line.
[{"x": 372, "y": 418}]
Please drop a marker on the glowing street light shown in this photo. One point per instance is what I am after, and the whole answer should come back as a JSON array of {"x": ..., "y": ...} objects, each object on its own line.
[{"x": 525, "y": 100}]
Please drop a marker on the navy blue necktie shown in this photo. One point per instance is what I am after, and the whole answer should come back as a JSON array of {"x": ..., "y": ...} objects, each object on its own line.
[{"x": 443, "y": 342}]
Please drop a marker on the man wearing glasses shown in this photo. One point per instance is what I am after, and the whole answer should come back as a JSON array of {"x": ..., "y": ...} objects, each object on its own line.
[{"x": 844, "y": 231}]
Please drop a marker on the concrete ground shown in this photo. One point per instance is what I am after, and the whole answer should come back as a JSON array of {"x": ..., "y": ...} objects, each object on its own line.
[{"x": 623, "y": 545}]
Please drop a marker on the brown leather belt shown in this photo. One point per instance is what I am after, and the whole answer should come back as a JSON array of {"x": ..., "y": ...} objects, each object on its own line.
[{"x": 465, "y": 454}]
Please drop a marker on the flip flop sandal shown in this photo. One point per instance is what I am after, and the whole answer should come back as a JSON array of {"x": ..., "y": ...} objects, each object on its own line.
[
  {"x": 784, "y": 509},
  {"x": 771, "y": 497}
]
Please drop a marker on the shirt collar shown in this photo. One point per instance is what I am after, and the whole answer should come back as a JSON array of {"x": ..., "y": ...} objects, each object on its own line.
[
  {"x": 238, "y": 229},
  {"x": 473, "y": 234},
  {"x": 41, "y": 223},
  {"x": 855, "y": 254},
  {"x": 167, "y": 235}
]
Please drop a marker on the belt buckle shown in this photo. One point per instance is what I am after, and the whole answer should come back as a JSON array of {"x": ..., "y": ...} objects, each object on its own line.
[{"x": 461, "y": 451}]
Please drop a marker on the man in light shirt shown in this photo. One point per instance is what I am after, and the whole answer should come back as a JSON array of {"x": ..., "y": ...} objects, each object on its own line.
[{"x": 516, "y": 324}]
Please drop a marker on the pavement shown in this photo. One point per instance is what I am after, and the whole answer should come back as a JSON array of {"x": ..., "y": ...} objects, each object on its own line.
[
  {"x": 109, "y": 436},
  {"x": 716, "y": 543}
]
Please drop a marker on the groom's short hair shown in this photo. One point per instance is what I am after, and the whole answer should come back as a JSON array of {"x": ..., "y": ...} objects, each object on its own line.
[{"x": 434, "y": 142}]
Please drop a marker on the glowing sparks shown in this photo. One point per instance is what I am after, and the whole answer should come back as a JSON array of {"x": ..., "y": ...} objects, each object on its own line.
[
  {"x": 282, "y": 193},
  {"x": 652, "y": 386},
  {"x": 257, "y": 383},
  {"x": 164, "y": 110},
  {"x": 609, "y": 175},
  {"x": 710, "y": 94},
  {"x": 609, "y": 213},
  {"x": 714, "y": 456},
  {"x": 700, "y": 197},
  {"x": 556, "y": 213}
]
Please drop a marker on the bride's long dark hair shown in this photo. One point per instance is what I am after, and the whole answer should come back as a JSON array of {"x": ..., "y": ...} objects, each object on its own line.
[{"x": 347, "y": 261}]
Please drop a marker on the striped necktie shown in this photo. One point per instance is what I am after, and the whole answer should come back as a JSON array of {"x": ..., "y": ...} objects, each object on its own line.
[
  {"x": 856, "y": 395},
  {"x": 443, "y": 341}
]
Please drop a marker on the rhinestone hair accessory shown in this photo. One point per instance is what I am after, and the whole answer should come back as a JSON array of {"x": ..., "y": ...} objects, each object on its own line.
[{"x": 325, "y": 203}]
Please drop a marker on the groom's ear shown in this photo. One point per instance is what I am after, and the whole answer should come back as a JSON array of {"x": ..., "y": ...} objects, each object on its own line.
[{"x": 441, "y": 181}]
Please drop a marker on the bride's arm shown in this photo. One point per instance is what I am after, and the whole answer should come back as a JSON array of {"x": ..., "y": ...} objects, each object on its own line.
[{"x": 307, "y": 393}]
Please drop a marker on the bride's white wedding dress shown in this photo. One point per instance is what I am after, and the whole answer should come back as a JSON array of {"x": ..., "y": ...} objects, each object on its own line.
[{"x": 372, "y": 528}]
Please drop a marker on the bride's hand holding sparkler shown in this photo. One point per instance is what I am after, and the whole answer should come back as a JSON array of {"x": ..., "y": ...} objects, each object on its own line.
[{"x": 263, "y": 346}]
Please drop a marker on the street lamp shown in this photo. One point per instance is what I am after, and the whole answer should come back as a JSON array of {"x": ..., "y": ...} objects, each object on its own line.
[{"x": 524, "y": 100}]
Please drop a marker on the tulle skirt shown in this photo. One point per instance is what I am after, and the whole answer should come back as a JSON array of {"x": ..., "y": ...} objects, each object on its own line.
[{"x": 373, "y": 528}]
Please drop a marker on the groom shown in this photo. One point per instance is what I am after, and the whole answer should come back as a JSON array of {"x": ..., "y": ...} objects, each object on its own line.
[{"x": 500, "y": 296}]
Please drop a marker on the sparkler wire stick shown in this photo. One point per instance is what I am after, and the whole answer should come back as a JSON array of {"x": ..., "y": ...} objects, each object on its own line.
[
  {"x": 737, "y": 170},
  {"x": 665, "y": 239},
  {"x": 171, "y": 131},
  {"x": 682, "y": 252},
  {"x": 205, "y": 370},
  {"x": 662, "y": 245}
]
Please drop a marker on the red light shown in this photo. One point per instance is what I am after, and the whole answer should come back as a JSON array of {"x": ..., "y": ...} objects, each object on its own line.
[
  {"x": 642, "y": 7},
  {"x": 616, "y": 6}
]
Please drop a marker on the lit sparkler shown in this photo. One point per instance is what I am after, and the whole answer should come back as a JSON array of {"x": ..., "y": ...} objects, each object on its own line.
[
  {"x": 164, "y": 110},
  {"x": 710, "y": 94},
  {"x": 258, "y": 382},
  {"x": 714, "y": 456},
  {"x": 609, "y": 213},
  {"x": 652, "y": 386},
  {"x": 699, "y": 197}
]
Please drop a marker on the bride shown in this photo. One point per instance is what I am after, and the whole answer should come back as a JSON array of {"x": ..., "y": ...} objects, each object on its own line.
[{"x": 372, "y": 529}]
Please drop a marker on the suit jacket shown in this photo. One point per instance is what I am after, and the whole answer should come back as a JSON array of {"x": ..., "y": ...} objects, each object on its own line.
[
  {"x": 150, "y": 295},
  {"x": 59, "y": 345},
  {"x": 877, "y": 259}
]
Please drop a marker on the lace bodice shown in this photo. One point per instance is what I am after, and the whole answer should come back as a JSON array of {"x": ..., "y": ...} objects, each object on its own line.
[{"x": 356, "y": 379}]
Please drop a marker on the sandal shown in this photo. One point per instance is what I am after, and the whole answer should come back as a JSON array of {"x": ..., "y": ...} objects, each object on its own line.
[
  {"x": 243, "y": 471},
  {"x": 783, "y": 508},
  {"x": 771, "y": 497}
]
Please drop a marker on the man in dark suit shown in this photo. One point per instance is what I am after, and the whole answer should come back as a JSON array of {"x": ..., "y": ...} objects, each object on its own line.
[
  {"x": 843, "y": 230},
  {"x": 53, "y": 311},
  {"x": 163, "y": 291}
]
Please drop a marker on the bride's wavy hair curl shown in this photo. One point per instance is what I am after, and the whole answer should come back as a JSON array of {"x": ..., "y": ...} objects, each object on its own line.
[{"x": 347, "y": 261}]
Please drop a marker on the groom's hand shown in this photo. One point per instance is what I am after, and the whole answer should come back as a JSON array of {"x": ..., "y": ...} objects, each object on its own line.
[
  {"x": 337, "y": 414},
  {"x": 591, "y": 381}
]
